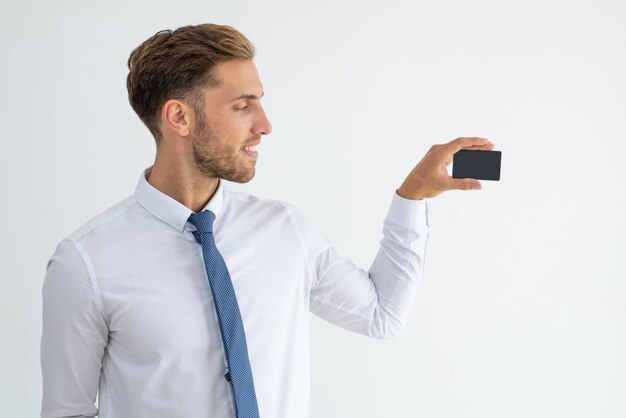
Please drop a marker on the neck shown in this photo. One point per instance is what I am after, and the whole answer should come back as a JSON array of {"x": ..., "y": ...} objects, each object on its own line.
[{"x": 179, "y": 179}]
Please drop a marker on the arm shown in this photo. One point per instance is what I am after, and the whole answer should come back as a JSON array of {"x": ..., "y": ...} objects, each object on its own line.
[
  {"x": 377, "y": 302},
  {"x": 74, "y": 336}
]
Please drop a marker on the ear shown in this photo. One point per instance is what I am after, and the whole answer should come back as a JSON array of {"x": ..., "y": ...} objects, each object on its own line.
[{"x": 177, "y": 117}]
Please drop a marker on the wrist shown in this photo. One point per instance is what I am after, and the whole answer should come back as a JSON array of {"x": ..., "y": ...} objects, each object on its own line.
[{"x": 410, "y": 195}]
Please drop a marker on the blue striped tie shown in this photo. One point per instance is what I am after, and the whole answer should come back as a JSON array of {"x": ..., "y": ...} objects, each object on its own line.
[{"x": 239, "y": 373}]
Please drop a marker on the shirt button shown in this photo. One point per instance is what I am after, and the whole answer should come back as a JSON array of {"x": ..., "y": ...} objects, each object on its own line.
[{"x": 227, "y": 376}]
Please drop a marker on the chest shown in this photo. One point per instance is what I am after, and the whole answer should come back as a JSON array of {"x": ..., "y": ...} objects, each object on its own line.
[{"x": 159, "y": 299}]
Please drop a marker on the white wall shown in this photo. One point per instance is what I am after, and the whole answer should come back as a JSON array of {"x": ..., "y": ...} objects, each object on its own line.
[{"x": 522, "y": 308}]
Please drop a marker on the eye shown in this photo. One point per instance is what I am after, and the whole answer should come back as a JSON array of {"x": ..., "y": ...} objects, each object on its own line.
[{"x": 244, "y": 107}]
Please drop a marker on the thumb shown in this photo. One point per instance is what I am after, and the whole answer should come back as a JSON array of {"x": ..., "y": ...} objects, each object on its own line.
[{"x": 465, "y": 184}]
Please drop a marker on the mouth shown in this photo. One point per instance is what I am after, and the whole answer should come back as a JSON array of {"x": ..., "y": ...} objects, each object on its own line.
[{"x": 250, "y": 150}]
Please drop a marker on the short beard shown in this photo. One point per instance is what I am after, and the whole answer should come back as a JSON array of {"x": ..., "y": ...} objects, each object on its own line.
[{"x": 215, "y": 162}]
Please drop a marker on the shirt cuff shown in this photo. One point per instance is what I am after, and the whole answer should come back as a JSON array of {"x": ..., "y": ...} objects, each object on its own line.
[{"x": 408, "y": 213}]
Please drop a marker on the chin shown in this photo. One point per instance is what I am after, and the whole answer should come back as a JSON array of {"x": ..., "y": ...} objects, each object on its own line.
[{"x": 243, "y": 178}]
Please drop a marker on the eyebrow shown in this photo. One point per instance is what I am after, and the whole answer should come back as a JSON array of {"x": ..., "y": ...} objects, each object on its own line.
[{"x": 248, "y": 96}]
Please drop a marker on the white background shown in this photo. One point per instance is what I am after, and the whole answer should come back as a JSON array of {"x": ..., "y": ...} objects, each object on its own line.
[{"x": 522, "y": 307}]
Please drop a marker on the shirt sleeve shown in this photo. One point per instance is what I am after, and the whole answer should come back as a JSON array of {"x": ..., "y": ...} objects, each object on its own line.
[
  {"x": 377, "y": 302},
  {"x": 74, "y": 336}
]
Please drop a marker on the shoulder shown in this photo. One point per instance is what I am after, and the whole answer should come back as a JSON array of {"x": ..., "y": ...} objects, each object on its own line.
[
  {"x": 109, "y": 218},
  {"x": 261, "y": 204},
  {"x": 274, "y": 209}
]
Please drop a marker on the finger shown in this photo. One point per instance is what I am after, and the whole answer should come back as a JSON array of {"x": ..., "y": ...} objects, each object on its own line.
[
  {"x": 458, "y": 144},
  {"x": 465, "y": 184},
  {"x": 487, "y": 147}
]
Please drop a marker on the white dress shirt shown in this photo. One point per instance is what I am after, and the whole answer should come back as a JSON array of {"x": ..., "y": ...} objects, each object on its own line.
[{"x": 128, "y": 312}]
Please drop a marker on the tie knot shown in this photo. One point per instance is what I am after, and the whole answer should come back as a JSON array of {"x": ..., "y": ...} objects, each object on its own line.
[{"x": 203, "y": 221}]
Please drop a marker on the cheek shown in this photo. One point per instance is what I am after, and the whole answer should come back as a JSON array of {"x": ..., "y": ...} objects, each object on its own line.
[
  {"x": 231, "y": 129},
  {"x": 231, "y": 122},
  {"x": 236, "y": 132}
]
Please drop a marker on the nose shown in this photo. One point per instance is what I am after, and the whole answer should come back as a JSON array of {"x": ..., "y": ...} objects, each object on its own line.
[{"x": 263, "y": 125}]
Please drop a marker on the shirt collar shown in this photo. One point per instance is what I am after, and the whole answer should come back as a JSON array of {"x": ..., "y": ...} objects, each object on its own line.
[{"x": 167, "y": 209}]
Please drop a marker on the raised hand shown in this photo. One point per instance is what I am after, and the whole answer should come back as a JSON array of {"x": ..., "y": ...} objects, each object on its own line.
[{"x": 430, "y": 177}]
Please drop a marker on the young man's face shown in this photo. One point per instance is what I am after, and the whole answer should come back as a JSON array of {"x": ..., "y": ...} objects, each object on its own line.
[{"x": 234, "y": 119}]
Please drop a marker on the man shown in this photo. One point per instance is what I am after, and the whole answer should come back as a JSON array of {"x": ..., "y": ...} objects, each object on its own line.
[{"x": 190, "y": 300}]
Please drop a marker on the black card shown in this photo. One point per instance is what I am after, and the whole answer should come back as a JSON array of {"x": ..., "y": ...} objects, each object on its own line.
[{"x": 479, "y": 165}]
